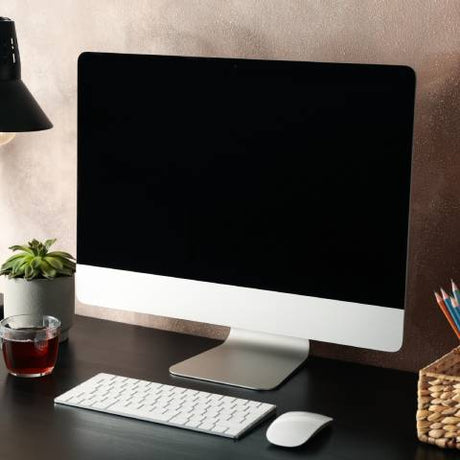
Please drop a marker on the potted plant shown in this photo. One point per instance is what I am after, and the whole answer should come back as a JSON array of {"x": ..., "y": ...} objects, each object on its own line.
[{"x": 41, "y": 282}]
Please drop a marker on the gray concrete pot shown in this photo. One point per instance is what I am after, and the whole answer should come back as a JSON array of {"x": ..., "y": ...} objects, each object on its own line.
[{"x": 46, "y": 297}]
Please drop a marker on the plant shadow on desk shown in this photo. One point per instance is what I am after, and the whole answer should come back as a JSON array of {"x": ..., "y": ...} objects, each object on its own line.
[{"x": 314, "y": 445}]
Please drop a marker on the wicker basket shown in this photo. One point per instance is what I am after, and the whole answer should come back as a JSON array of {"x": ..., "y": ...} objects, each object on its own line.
[{"x": 438, "y": 414}]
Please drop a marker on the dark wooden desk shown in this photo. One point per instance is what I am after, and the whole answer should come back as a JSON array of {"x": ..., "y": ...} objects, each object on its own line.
[{"x": 374, "y": 409}]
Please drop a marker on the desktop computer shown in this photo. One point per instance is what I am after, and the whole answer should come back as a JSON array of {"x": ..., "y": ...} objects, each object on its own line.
[{"x": 268, "y": 196}]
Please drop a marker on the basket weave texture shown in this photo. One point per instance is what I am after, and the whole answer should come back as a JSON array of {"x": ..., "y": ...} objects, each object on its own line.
[{"x": 438, "y": 414}]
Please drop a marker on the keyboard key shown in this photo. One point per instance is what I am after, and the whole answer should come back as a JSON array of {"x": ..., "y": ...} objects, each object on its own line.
[
  {"x": 179, "y": 419},
  {"x": 193, "y": 424},
  {"x": 229, "y": 423},
  {"x": 219, "y": 429},
  {"x": 233, "y": 431},
  {"x": 206, "y": 426},
  {"x": 160, "y": 417}
]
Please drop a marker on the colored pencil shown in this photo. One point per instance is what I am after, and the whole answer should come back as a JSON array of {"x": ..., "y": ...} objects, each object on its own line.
[
  {"x": 455, "y": 306},
  {"x": 454, "y": 312},
  {"x": 447, "y": 314},
  {"x": 455, "y": 291}
]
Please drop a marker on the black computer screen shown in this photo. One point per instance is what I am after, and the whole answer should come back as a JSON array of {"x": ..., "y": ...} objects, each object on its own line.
[{"x": 276, "y": 175}]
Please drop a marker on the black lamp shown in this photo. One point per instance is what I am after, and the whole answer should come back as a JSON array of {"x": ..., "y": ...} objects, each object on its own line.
[{"x": 19, "y": 111}]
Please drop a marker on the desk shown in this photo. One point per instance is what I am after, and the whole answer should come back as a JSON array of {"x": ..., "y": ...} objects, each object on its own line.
[{"x": 374, "y": 409}]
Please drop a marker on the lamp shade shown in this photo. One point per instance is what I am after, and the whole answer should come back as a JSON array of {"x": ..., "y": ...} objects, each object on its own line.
[{"x": 19, "y": 111}]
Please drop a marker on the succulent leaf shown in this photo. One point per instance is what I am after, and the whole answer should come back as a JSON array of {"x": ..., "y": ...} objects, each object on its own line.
[
  {"x": 28, "y": 271},
  {"x": 21, "y": 248},
  {"x": 54, "y": 262},
  {"x": 49, "y": 243},
  {"x": 63, "y": 254},
  {"x": 36, "y": 262}
]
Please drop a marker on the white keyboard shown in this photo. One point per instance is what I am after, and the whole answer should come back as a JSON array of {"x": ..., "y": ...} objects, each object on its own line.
[{"x": 168, "y": 405}]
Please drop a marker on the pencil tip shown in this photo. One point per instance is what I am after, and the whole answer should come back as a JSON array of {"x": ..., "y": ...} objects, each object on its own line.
[{"x": 444, "y": 293}]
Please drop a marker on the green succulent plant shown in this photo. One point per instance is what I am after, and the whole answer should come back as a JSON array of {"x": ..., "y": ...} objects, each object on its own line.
[{"x": 36, "y": 262}]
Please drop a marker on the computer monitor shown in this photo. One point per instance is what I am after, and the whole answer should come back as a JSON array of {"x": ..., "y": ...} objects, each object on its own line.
[{"x": 268, "y": 196}]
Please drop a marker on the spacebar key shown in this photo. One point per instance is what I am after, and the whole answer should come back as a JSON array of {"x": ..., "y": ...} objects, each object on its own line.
[
  {"x": 158, "y": 417},
  {"x": 134, "y": 412}
]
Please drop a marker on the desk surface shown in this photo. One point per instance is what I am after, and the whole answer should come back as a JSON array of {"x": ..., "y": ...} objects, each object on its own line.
[{"x": 374, "y": 409}]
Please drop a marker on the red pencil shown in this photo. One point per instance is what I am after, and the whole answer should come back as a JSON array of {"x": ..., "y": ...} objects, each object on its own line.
[{"x": 443, "y": 307}]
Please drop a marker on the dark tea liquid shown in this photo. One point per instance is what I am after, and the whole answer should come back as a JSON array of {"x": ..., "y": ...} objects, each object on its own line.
[{"x": 30, "y": 357}]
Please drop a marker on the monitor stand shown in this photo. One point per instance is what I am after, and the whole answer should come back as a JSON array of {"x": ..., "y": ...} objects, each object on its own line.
[{"x": 247, "y": 359}]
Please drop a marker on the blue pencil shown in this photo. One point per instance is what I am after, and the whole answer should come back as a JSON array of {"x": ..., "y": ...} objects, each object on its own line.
[
  {"x": 454, "y": 311},
  {"x": 455, "y": 305},
  {"x": 455, "y": 292}
]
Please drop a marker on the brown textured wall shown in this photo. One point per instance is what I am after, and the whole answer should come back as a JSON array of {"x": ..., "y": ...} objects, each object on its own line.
[{"x": 37, "y": 171}]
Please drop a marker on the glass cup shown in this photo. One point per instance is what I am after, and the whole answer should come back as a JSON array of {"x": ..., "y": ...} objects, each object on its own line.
[{"x": 30, "y": 344}]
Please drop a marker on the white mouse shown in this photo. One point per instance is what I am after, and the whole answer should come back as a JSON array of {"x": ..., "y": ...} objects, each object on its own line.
[{"x": 295, "y": 428}]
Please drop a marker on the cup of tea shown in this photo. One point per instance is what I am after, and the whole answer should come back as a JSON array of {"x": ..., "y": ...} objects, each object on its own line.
[{"x": 30, "y": 344}]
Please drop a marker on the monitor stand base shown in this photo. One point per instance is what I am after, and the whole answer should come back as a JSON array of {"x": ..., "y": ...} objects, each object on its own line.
[{"x": 247, "y": 359}]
